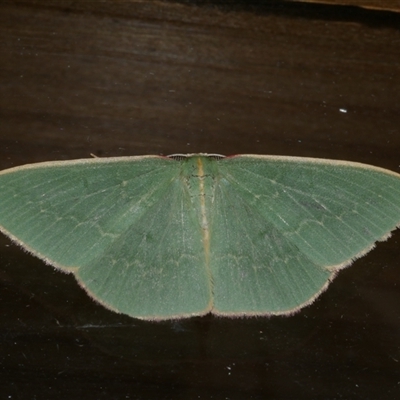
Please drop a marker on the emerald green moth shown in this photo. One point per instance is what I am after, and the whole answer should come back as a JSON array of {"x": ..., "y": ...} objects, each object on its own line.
[{"x": 173, "y": 237}]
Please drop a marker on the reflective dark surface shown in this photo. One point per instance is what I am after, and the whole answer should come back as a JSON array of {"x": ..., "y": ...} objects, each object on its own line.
[{"x": 162, "y": 78}]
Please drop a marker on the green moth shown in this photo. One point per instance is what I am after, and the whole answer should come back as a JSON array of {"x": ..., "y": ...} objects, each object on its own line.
[{"x": 172, "y": 237}]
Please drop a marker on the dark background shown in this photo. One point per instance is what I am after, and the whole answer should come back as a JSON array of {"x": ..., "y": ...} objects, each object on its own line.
[{"x": 145, "y": 77}]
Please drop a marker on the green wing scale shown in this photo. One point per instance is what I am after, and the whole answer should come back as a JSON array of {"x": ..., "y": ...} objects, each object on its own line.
[{"x": 172, "y": 237}]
